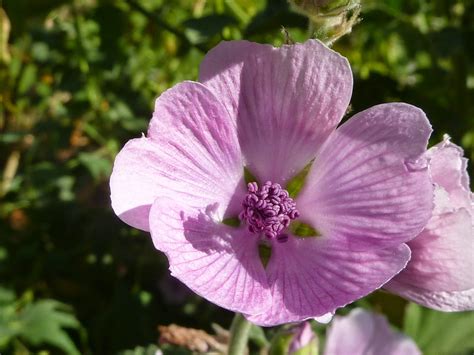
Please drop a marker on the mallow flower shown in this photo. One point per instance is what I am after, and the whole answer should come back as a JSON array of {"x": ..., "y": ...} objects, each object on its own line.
[
  {"x": 440, "y": 274},
  {"x": 213, "y": 181},
  {"x": 365, "y": 333}
]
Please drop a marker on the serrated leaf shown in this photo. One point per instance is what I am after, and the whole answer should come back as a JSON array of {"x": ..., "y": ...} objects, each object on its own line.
[
  {"x": 44, "y": 322},
  {"x": 8, "y": 326}
]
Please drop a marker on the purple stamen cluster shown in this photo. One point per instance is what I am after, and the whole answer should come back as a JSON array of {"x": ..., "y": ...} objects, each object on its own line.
[{"x": 268, "y": 210}]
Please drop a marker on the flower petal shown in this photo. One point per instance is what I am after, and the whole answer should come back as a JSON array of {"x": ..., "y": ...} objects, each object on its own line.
[
  {"x": 369, "y": 184},
  {"x": 365, "y": 333},
  {"x": 449, "y": 172},
  {"x": 191, "y": 153},
  {"x": 218, "y": 262},
  {"x": 286, "y": 101},
  {"x": 440, "y": 274},
  {"x": 309, "y": 278},
  {"x": 221, "y": 70}
]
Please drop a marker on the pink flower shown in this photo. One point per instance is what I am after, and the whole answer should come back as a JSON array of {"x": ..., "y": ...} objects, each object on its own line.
[
  {"x": 274, "y": 110},
  {"x": 304, "y": 339},
  {"x": 365, "y": 333},
  {"x": 440, "y": 274}
]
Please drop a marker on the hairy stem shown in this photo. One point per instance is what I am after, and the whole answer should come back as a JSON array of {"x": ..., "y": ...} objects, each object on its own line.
[{"x": 239, "y": 334}]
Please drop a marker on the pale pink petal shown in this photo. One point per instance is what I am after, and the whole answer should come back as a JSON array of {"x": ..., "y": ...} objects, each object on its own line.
[
  {"x": 369, "y": 186},
  {"x": 218, "y": 262},
  {"x": 449, "y": 172},
  {"x": 440, "y": 274},
  {"x": 445, "y": 301},
  {"x": 191, "y": 154},
  {"x": 285, "y": 101},
  {"x": 311, "y": 277},
  {"x": 221, "y": 69},
  {"x": 365, "y": 333}
]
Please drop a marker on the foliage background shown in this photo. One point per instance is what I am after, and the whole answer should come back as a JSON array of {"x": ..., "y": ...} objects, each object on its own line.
[{"x": 78, "y": 79}]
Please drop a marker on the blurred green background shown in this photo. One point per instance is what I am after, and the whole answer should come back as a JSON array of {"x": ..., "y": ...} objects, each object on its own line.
[{"x": 78, "y": 78}]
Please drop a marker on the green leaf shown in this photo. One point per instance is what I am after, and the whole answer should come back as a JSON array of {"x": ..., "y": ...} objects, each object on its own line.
[
  {"x": 6, "y": 296},
  {"x": 44, "y": 322},
  {"x": 303, "y": 230},
  {"x": 37, "y": 323},
  {"x": 271, "y": 18},
  {"x": 98, "y": 165},
  {"x": 200, "y": 30},
  {"x": 11, "y": 137},
  {"x": 169, "y": 349},
  {"x": 297, "y": 182},
  {"x": 8, "y": 326},
  {"x": 440, "y": 333},
  {"x": 28, "y": 78},
  {"x": 151, "y": 349}
]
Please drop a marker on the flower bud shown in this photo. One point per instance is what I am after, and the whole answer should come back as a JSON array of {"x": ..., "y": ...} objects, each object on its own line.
[
  {"x": 304, "y": 341},
  {"x": 329, "y": 19}
]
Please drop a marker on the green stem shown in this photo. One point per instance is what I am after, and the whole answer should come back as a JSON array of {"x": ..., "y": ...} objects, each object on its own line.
[{"x": 239, "y": 334}]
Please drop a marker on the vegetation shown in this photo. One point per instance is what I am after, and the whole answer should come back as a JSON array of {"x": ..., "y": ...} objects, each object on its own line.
[{"x": 78, "y": 79}]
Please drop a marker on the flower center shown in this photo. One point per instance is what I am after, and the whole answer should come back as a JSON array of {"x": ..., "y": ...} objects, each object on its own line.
[{"x": 268, "y": 210}]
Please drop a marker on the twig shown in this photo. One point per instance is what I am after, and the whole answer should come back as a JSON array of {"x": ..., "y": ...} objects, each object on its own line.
[{"x": 9, "y": 172}]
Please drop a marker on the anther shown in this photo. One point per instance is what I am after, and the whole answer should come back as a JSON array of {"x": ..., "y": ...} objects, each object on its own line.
[{"x": 268, "y": 210}]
